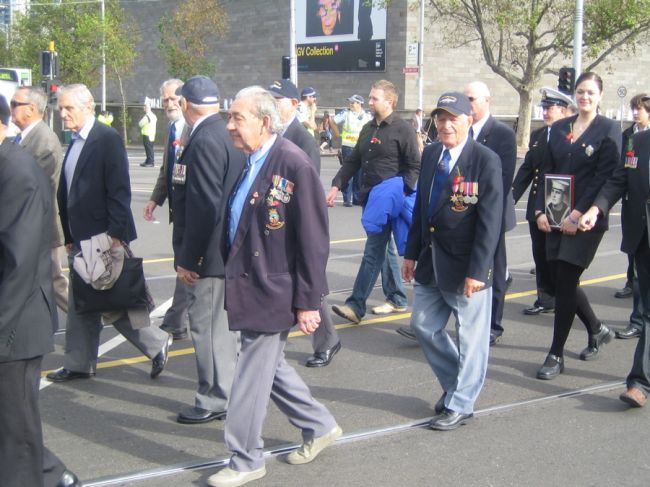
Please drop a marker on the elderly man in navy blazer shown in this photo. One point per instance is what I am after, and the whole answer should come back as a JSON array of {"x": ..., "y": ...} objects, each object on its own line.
[
  {"x": 455, "y": 231},
  {"x": 275, "y": 278},
  {"x": 94, "y": 197}
]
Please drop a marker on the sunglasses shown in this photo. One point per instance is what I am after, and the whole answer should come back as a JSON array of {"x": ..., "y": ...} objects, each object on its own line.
[{"x": 15, "y": 104}]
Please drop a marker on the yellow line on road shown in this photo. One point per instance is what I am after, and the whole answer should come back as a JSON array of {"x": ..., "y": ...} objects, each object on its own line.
[{"x": 383, "y": 319}]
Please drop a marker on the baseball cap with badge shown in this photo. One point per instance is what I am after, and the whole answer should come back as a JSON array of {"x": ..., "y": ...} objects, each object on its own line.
[
  {"x": 453, "y": 102},
  {"x": 356, "y": 98},
  {"x": 284, "y": 89},
  {"x": 199, "y": 90},
  {"x": 309, "y": 91}
]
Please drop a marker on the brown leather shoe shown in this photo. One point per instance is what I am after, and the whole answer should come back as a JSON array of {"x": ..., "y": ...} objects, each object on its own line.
[{"x": 634, "y": 397}]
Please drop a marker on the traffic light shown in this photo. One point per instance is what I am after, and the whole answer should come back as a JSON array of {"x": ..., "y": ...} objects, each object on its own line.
[
  {"x": 286, "y": 67},
  {"x": 566, "y": 80},
  {"x": 50, "y": 87}
]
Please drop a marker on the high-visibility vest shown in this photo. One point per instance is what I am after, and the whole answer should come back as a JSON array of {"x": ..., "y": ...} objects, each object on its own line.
[
  {"x": 148, "y": 125},
  {"x": 352, "y": 125}
]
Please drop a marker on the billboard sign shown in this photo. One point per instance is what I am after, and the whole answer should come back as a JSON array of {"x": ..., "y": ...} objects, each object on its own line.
[{"x": 340, "y": 35}]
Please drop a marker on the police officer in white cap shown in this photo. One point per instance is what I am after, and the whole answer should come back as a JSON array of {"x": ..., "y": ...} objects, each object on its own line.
[{"x": 555, "y": 105}]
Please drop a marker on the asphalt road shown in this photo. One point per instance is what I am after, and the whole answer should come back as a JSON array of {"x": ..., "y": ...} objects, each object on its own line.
[{"x": 119, "y": 428}]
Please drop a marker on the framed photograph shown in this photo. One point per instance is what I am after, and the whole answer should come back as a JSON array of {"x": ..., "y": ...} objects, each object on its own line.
[{"x": 559, "y": 190}]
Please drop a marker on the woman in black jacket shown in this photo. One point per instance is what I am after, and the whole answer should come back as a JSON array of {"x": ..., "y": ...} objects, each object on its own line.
[{"x": 586, "y": 146}]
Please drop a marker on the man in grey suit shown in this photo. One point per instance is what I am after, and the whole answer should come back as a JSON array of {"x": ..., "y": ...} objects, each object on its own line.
[
  {"x": 94, "y": 197},
  {"x": 27, "y": 109},
  {"x": 175, "y": 320},
  {"x": 203, "y": 178},
  {"x": 27, "y": 317}
]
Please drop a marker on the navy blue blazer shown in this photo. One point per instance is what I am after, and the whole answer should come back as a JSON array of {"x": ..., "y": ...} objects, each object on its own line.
[
  {"x": 500, "y": 138},
  {"x": 213, "y": 166},
  {"x": 100, "y": 194},
  {"x": 591, "y": 159},
  {"x": 28, "y": 316},
  {"x": 277, "y": 261},
  {"x": 464, "y": 241},
  {"x": 631, "y": 181},
  {"x": 298, "y": 134}
]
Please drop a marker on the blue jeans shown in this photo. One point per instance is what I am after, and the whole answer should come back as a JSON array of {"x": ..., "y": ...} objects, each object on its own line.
[
  {"x": 352, "y": 188},
  {"x": 378, "y": 255}
]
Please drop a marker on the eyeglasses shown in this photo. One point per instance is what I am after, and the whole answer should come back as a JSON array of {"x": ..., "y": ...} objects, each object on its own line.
[
  {"x": 324, "y": 11},
  {"x": 15, "y": 104}
]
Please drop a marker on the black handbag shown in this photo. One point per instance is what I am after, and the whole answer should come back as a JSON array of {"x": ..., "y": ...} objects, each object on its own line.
[{"x": 129, "y": 291}]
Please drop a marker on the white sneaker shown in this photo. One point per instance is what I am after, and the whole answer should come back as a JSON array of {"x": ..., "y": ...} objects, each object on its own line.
[
  {"x": 227, "y": 477},
  {"x": 387, "y": 308},
  {"x": 309, "y": 451}
]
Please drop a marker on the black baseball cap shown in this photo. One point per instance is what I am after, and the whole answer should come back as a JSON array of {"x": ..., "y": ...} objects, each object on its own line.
[
  {"x": 284, "y": 88},
  {"x": 453, "y": 102}
]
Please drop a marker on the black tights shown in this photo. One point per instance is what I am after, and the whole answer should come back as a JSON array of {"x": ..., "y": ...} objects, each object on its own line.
[{"x": 570, "y": 300}]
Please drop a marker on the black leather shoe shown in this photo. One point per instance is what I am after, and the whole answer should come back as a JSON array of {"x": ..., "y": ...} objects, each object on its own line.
[
  {"x": 536, "y": 309},
  {"x": 194, "y": 415},
  {"x": 553, "y": 366},
  {"x": 449, "y": 420},
  {"x": 495, "y": 336},
  {"x": 440, "y": 405},
  {"x": 508, "y": 282},
  {"x": 603, "y": 336},
  {"x": 630, "y": 332},
  {"x": 64, "y": 375},
  {"x": 159, "y": 361},
  {"x": 407, "y": 332},
  {"x": 626, "y": 292},
  {"x": 145, "y": 164},
  {"x": 69, "y": 479},
  {"x": 321, "y": 359},
  {"x": 174, "y": 332}
]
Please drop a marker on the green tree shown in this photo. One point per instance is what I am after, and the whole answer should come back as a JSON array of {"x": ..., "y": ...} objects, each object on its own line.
[
  {"x": 78, "y": 32},
  {"x": 186, "y": 36},
  {"x": 521, "y": 41}
]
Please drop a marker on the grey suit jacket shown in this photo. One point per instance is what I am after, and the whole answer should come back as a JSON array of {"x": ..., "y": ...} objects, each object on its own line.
[
  {"x": 160, "y": 191},
  {"x": 28, "y": 316},
  {"x": 42, "y": 143}
]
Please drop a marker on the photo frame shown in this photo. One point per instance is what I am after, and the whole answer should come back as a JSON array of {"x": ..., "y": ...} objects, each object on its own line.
[{"x": 559, "y": 194}]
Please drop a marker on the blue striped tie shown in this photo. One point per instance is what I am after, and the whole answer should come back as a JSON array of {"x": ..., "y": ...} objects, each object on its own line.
[{"x": 439, "y": 179}]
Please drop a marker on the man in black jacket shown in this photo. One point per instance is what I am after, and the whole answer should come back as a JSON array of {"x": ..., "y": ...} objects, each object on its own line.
[
  {"x": 554, "y": 107},
  {"x": 203, "y": 177}
]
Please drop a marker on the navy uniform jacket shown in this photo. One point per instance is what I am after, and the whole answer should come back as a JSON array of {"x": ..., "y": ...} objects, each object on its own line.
[
  {"x": 277, "y": 260},
  {"x": 28, "y": 317},
  {"x": 463, "y": 241},
  {"x": 500, "y": 138},
  {"x": 631, "y": 181},
  {"x": 297, "y": 133},
  {"x": 530, "y": 171},
  {"x": 591, "y": 159},
  {"x": 100, "y": 194},
  {"x": 212, "y": 167}
]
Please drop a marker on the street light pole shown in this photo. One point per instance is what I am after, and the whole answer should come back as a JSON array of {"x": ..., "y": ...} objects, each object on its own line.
[
  {"x": 292, "y": 45},
  {"x": 421, "y": 59},
  {"x": 577, "y": 38},
  {"x": 103, "y": 58}
]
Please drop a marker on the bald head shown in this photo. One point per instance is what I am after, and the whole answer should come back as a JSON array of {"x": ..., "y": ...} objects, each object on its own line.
[{"x": 479, "y": 96}]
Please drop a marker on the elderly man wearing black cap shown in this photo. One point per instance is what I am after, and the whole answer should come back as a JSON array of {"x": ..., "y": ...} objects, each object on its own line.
[
  {"x": 307, "y": 109},
  {"x": 450, "y": 253},
  {"x": 202, "y": 178},
  {"x": 554, "y": 107},
  {"x": 325, "y": 339}
]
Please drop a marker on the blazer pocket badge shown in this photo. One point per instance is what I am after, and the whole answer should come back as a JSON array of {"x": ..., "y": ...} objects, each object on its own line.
[
  {"x": 274, "y": 219},
  {"x": 589, "y": 150}
]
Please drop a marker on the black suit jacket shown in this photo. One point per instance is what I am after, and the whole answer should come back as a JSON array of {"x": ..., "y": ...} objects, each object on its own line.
[
  {"x": 530, "y": 171},
  {"x": 213, "y": 166},
  {"x": 100, "y": 194},
  {"x": 463, "y": 242},
  {"x": 591, "y": 159},
  {"x": 633, "y": 183},
  {"x": 277, "y": 261},
  {"x": 298, "y": 134},
  {"x": 28, "y": 317},
  {"x": 500, "y": 138}
]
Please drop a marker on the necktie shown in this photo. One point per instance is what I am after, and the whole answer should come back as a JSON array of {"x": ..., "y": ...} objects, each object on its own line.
[
  {"x": 171, "y": 156},
  {"x": 471, "y": 133},
  {"x": 18, "y": 138},
  {"x": 439, "y": 179}
]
